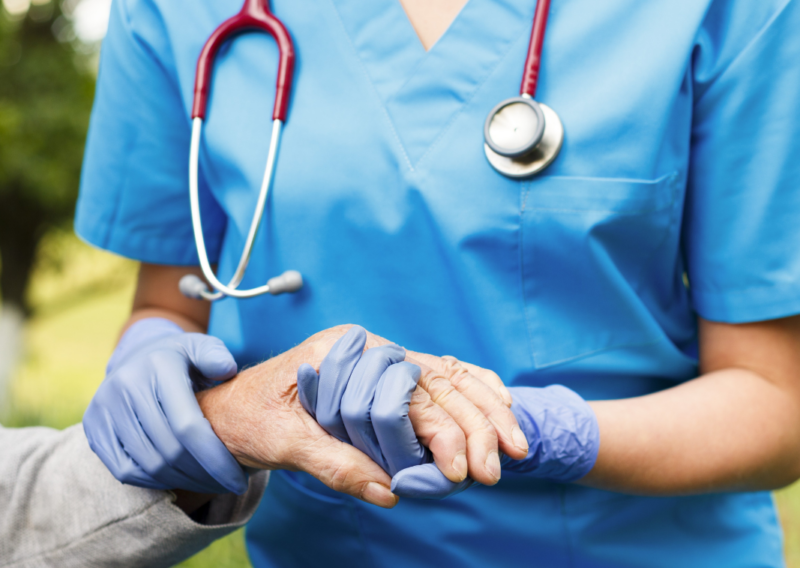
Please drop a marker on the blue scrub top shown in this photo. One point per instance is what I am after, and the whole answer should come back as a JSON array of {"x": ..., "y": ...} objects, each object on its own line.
[{"x": 681, "y": 159}]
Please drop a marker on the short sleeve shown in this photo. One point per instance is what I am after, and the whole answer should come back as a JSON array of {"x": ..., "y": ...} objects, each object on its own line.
[
  {"x": 741, "y": 233},
  {"x": 134, "y": 195}
]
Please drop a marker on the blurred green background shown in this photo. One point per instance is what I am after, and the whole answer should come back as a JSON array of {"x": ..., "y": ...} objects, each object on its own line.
[{"x": 63, "y": 303}]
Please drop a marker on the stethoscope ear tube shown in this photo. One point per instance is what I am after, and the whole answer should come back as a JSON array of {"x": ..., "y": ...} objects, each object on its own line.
[
  {"x": 254, "y": 15},
  {"x": 291, "y": 283}
]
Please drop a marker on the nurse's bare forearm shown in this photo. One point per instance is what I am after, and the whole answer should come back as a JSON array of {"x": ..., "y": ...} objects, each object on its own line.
[
  {"x": 157, "y": 295},
  {"x": 736, "y": 427}
]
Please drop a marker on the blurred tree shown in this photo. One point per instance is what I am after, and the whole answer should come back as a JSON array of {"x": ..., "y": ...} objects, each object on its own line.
[{"x": 46, "y": 92}]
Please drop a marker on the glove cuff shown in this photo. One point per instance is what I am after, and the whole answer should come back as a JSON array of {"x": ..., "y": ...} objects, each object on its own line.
[
  {"x": 138, "y": 335},
  {"x": 562, "y": 432}
]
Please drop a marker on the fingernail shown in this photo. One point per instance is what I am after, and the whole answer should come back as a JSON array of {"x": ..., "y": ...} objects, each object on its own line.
[
  {"x": 519, "y": 439},
  {"x": 379, "y": 495},
  {"x": 460, "y": 465},
  {"x": 493, "y": 465}
]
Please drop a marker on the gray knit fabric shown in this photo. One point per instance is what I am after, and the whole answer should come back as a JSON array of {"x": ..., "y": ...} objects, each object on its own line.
[{"x": 60, "y": 506}]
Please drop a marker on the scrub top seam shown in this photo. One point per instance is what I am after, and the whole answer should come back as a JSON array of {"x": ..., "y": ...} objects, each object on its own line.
[
  {"x": 562, "y": 493},
  {"x": 758, "y": 35},
  {"x": 354, "y": 512},
  {"x": 444, "y": 130},
  {"x": 710, "y": 292},
  {"x": 674, "y": 217},
  {"x": 112, "y": 222},
  {"x": 595, "y": 351},
  {"x": 520, "y": 243},
  {"x": 372, "y": 84}
]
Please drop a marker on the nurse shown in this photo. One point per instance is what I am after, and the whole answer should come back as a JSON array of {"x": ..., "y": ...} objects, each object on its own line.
[{"x": 651, "y": 269}]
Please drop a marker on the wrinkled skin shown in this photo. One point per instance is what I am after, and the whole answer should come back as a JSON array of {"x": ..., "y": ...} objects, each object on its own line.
[{"x": 459, "y": 411}]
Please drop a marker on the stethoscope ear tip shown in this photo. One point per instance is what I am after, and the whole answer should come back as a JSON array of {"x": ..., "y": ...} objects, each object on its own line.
[
  {"x": 289, "y": 281},
  {"x": 193, "y": 287}
]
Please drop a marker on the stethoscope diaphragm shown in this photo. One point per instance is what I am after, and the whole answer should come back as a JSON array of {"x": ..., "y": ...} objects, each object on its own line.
[
  {"x": 527, "y": 144},
  {"x": 522, "y": 136}
]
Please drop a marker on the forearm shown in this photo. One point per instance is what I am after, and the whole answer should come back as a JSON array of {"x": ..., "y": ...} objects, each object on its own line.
[
  {"x": 158, "y": 296},
  {"x": 727, "y": 430}
]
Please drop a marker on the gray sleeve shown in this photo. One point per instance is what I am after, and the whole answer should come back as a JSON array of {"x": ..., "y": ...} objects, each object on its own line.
[{"x": 60, "y": 506}]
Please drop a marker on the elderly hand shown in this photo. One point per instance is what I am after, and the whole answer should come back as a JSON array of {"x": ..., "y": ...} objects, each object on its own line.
[{"x": 373, "y": 402}]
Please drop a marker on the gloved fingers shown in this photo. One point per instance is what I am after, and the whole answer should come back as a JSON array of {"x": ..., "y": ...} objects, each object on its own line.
[
  {"x": 487, "y": 376},
  {"x": 156, "y": 427},
  {"x": 99, "y": 429},
  {"x": 437, "y": 431},
  {"x": 483, "y": 458},
  {"x": 334, "y": 374},
  {"x": 358, "y": 412},
  {"x": 346, "y": 469},
  {"x": 307, "y": 386},
  {"x": 208, "y": 355},
  {"x": 392, "y": 426},
  {"x": 135, "y": 443},
  {"x": 511, "y": 439},
  {"x": 190, "y": 427},
  {"x": 426, "y": 482}
]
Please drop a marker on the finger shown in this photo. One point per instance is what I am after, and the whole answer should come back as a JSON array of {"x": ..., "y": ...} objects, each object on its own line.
[
  {"x": 209, "y": 355},
  {"x": 334, "y": 373},
  {"x": 483, "y": 458},
  {"x": 426, "y": 482},
  {"x": 346, "y": 469},
  {"x": 157, "y": 429},
  {"x": 307, "y": 385},
  {"x": 439, "y": 433},
  {"x": 190, "y": 427},
  {"x": 143, "y": 453},
  {"x": 511, "y": 439},
  {"x": 358, "y": 402},
  {"x": 393, "y": 427},
  {"x": 490, "y": 378}
]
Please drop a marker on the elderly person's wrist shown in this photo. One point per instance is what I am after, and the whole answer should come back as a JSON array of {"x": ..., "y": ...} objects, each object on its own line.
[{"x": 229, "y": 416}]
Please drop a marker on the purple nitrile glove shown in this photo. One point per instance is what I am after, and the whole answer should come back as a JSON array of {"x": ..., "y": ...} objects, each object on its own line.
[
  {"x": 562, "y": 433},
  {"x": 144, "y": 422},
  {"x": 362, "y": 398}
]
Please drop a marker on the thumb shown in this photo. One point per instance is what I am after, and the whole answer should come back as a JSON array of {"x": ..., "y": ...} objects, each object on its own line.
[
  {"x": 209, "y": 356},
  {"x": 346, "y": 469},
  {"x": 307, "y": 385},
  {"x": 426, "y": 481}
]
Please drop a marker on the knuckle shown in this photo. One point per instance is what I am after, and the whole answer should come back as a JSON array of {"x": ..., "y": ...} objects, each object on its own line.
[
  {"x": 339, "y": 478},
  {"x": 438, "y": 386},
  {"x": 484, "y": 429}
]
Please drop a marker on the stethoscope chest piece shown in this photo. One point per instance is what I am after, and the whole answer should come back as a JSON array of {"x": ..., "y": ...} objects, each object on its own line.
[{"x": 522, "y": 137}]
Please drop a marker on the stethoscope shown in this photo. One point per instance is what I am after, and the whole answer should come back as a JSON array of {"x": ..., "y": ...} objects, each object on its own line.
[{"x": 522, "y": 137}]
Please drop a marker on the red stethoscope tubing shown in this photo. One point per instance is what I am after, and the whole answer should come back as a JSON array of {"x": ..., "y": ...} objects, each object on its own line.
[
  {"x": 533, "y": 62},
  {"x": 254, "y": 15}
]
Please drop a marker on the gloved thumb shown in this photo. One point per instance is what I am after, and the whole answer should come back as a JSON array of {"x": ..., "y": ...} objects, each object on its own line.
[
  {"x": 209, "y": 356},
  {"x": 307, "y": 386},
  {"x": 426, "y": 481}
]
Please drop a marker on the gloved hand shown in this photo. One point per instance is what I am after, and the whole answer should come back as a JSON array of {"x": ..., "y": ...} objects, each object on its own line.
[
  {"x": 144, "y": 422},
  {"x": 562, "y": 433},
  {"x": 364, "y": 400}
]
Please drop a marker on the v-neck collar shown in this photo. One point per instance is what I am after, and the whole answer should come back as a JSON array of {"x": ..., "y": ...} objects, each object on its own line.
[{"x": 424, "y": 91}]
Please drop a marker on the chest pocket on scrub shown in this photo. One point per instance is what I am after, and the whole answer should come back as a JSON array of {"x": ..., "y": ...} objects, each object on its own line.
[{"x": 588, "y": 245}]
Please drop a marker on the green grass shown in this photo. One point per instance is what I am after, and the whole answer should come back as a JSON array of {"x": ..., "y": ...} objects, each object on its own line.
[{"x": 81, "y": 297}]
